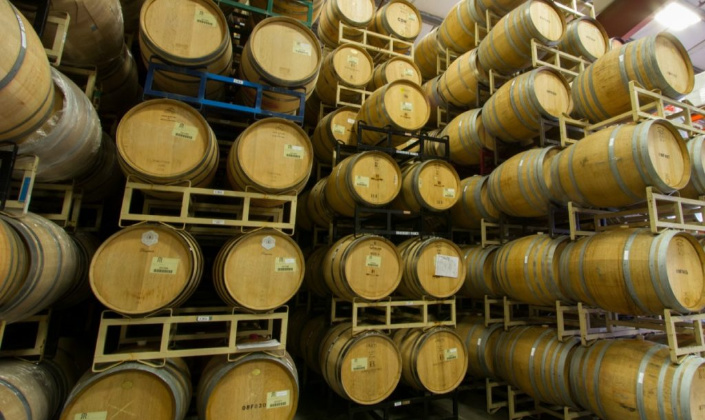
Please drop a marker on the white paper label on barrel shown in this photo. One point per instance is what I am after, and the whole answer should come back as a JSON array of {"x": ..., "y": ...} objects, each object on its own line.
[
  {"x": 626, "y": 255},
  {"x": 408, "y": 72},
  {"x": 359, "y": 364},
  {"x": 184, "y": 132},
  {"x": 150, "y": 238},
  {"x": 351, "y": 121},
  {"x": 447, "y": 266},
  {"x": 339, "y": 129},
  {"x": 479, "y": 341},
  {"x": 533, "y": 350},
  {"x": 294, "y": 152},
  {"x": 352, "y": 60},
  {"x": 161, "y": 265},
  {"x": 373, "y": 261},
  {"x": 412, "y": 17},
  {"x": 641, "y": 378},
  {"x": 362, "y": 181},
  {"x": 276, "y": 399},
  {"x": 203, "y": 17},
  {"x": 303, "y": 48},
  {"x": 449, "y": 192},
  {"x": 268, "y": 242},
  {"x": 450, "y": 354},
  {"x": 407, "y": 107},
  {"x": 95, "y": 415},
  {"x": 285, "y": 265}
]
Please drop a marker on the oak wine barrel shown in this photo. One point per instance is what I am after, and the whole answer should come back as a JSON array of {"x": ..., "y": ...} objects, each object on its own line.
[
  {"x": 14, "y": 265},
  {"x": 459, "y": 84},
  {"x": 105, "y": 179},
  {"x": 498, "y": 7},
  {"x": 616, "y": 43},
  {"x": 474, "y": 204},
  {"x": 585, "y": 37},
  {"x": 426, "y": 54},
  {"x": 432, "y": 267},
  {"x": 336, "y": 127},
  {"x": 435, "y": 100},
  {"x": 28, "y": 391},
  {"x": 432, "y": 184},
  {"x": 296, "y": 9},
  {"x": 480, "y": 278},
  {"x": 480, "y": 342},
  {"x": 398, "y": 19},
  {"x": 311, "y": 340},
  {"x": 358, "y": 14},
  {"x": 119, "y": 86},
  {"x": 467, "y": 138},
  {"x": 317, "y": 207},
  {"x": 350, "y": 66},
  {"x": 457, "y": 31},
  {"x": 396, "y": 68},
  {"x": 131, "y": 15},
  {"x": 696, "y": 186},
  {"x": 314, "y": 279},
  {"x": 86, "y": 246}
]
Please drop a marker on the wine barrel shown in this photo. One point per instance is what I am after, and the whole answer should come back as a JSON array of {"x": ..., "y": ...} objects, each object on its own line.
[
  {"x": 295, "y": 9},
  {"x": 160, "y": 268},
  {"x": 467, "y": 137},
  {"x": 163, "y": 141},
  {"x": 295, "y": 326},
  {"x": 520, "y": 186},
  {"x": 86, "y": 246},
  {"x": 368, "y": 179},
  {"x": 272, "y": 156},
  {"x": 14, "y": 264},
  {"x": 28, "y": 391},
  {"x": 105, "y": 177},
  {"x": 26, "y": 92},
  {"x": 396, "y": 68},
  {"x": 311, "y": 340},
  {"x": 655, "y": 62},
  {"x": 155, "y": 393},
  {"x": 364, "y": 368},
  {"x": 401, "y": 105},
  {"x": 67, "y": 143},
  {"x": 635, "y": 379},
  {"x": 259, "y": 271},
  {"x": 613, "y": 167},
  {"x": 314, "y": 279},
  {"x": 303, "y": 220},
  {"x": 131, "y": 15},
  {"x": 357, "y": 14},
  {"x": 348, "y": 65},
  {"x": 535, "y": 361},
  {"x": 480, "y": 279},
  {"x": 49, "y": 259},
  {"x": 432, "y": 267},
  {"x": 459, "y": 84},
  {"x": 119, "y": 86},
  {"x": 96, "y": 33},
  {"x": 426, "y": 54},
  {"x": 474, "y": 204},
  {"x": 432, "y": 184},
  {"x": 435, "y": 100},
  {"x": 498, "y": 7},
  {"x": 317, "y": 205},
  {"x": 514, "y": 112},
  {"x": 202, "y": 41},
  {"x": 258, "y": 386},
  {"x": 696, "y": 152},
  {"x": 585, "y": 37},
  {"x": 527, "y": 269},
  {"x": 433, "y": 360},
  {"x": 480, "y": 342},
  {"x": 616, "y": 43},
  {"x": 399, "y": 19},
  {"x": 457, "y": 31},
  {"x": 363, "y": 266},
  {"x": 334, "y": 128},
  {"x": 507, "y": 48},
  {"x": 630, "y": 271}
]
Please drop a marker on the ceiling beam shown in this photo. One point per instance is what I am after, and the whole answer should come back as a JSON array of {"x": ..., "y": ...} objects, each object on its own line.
[
  {"x": 432, "y": 20},
  {"x": 622, "y": 18}
]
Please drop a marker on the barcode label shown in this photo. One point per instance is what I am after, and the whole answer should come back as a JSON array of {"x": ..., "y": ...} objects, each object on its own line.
[
  {"x": 359, "y": 364},
  {"x": 205, "y": 18},
  {"x": 184, "y": 132},
  {"x": 161, "y": 265},
  {"x": 284, "y": 265},
  {"x": 293, "y": 152},
  {"x": 218, "y": 192},
  {"x": 218, "y": 222},
  {"x": 204, "y": 318},
  {"x": 277, "y": 399}
]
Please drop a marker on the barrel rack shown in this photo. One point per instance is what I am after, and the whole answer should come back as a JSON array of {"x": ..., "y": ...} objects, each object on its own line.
[
  {"x": 188, "y": 332},
  {"x": 268, "y": 11},
  {"x": 398, "y": 402},
  {"x": 14, "y": 337},
  {"x": 381, "y": 53}
]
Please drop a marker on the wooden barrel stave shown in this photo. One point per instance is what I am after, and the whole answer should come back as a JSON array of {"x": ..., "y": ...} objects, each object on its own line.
[
  {"x": 457, "y": 31},
  {"x": 314, "y": 279},
  {"x": 585, "y": 37},
  {"x": 480, "y": 280},
  {"x": 696, "y": 186},
  {"x": 480, "y": 342},
  {"x": 420, "y": 277},
  {"x": 317, "y": 205},
  {"x": 354, "y": 15},
  {"x": 474, "y": 204},
  {"x": 426, "y": 54},
  {"x": 120, "y": 88},
  {"x": 399, "y": 19},
  {"x": 28, "y": 391},
  {"x": 433, "y": 185},
  {"x": 459, "y": 84},
  {"x": 467, "y": 137},
  {"x": 312, "y": 336},
  {"x": 348, "y": 65},
  {"x": 396, "y": 68},
  {"x": 335, "y": 127}
]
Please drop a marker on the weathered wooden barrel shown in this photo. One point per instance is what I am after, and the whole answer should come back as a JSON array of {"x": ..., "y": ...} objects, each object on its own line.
[
  {"x": 357, "y": 14},
  {"x": 296, "y": 9},
  {"x": 432, "y": 184},
  {"x": 520, "y": 186},
  {"x": 349, "y": 66},
  {"x": 655, "y": 62},
  {"x": 96, "y": 33},
  {"x": 458, "y": 85},
  {"x": 119, "y": 86},
  {"x": 514, "y": 112},
  {"x": 163, "y": 141},
  {"x": 131, "y": 15},
  {"x": 630, "y": 271},
  {"x": 14, "y": 265},
  {"x": 317, "y": 207},
  {"x": 535, "y": 361},
  {"x": 480, "y": 342},
  {"x": 160, "y": 267},
  {"x": 401, "y": 105},
  {"x": 467, "y": 138},
  {"x": 480, "y": 279},
  {"x": 364, "y": 266},
  {"x": 435, "y": 100},
  {"x": 311, "y": 340},
  {"x": 635, "y": 379},
  {"x": 364, "y": 368},
  {"x": 696, "y": 186},
  {"x": 457, "y": 31},
  {"x": 367, "y": 179},
  {"x": 335, "y": 127},
  {"x": 42, "y": 270},
  {"x": 507, "y": 48},
  {"x": 527, "y": 269},
  {"x": 155, "y": 393},
  {"x": 28, "y": 391},
  {"x": 399, "y": 19},
  {"x": 259, "y": 271},
  {"x": 396, "y": 68},
  {"x": 272, "y": 156},
  {"x": 105, "y": 178},
  {"x": 67, "y": 143},
  {"x": 202, "y": 42},
  {"x": 314, "y": 279},
  {"x": 26, "y": 88},
  {"x": 613, "y": 167},
  {"x": 426, "y": 54},
  {"x": 585, "y": 37},
  {"x": 258, "y": 386},
  {"x": 434, "y": 360},
  {"x": 86, "y": 246},
  {"x": 432, "y": 267},
  {"x": 498, "y": 7},
  {"x": 474, "y": 204}
]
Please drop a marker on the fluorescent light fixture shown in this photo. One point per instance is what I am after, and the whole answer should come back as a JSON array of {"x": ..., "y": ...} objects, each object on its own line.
[{"x": 677, "y": 17}]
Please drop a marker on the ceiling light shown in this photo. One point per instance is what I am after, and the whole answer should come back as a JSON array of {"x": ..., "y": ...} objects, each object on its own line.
[{"x": 677, "y": 17}]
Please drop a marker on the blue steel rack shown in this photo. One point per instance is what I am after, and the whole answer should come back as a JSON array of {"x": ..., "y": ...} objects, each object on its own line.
[{"x": 268, "y": 10}]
